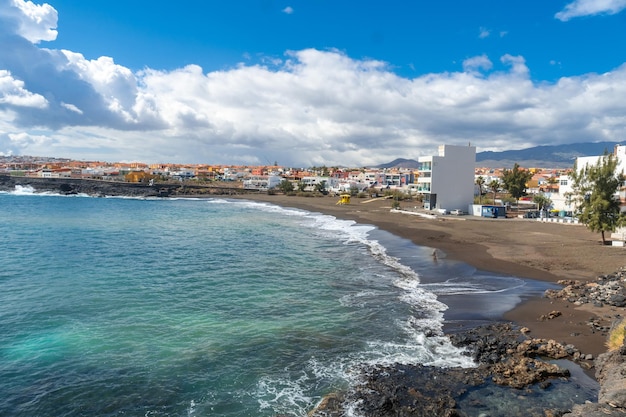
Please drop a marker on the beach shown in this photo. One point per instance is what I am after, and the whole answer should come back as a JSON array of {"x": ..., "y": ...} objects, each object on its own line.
[
  {"x": 524, "y": 248},
  {"x": 251, "y": 318}
]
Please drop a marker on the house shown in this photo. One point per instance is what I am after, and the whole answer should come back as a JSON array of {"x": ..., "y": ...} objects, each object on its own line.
[
  {"x": 310, "y": 183},
  {"x": 261, "y": 182},
  {"x": 138, "y": 176},
  {"x": 447, "y": 180}
]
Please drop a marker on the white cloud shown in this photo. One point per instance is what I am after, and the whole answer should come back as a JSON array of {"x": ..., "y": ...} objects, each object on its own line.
[
  {"x": 35, "y": 22},
  {"x": 517, "y": 63},
  {"x": 114, "y": 83},
  {"x": 310, "y": 107},
  {"x": 483, "y": 33},
  {"x": 72, "y": 107},
  {"x": 322, "y": 107},
  {"x": 13, "y": 93},
  {"x": 477, "y": 63},
  {"x": 580, "y": 8},
  {"x": 23, "y": 139},
  {"x": 288, "y": 10}
]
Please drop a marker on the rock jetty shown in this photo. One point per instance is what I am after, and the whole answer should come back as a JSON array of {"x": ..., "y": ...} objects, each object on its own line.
[{"x": 101, "y": 188}]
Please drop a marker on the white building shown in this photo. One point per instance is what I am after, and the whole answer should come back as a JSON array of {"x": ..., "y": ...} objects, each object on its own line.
[
  {"x": 261, "y": 182},
  {"x": 310, "y": 183},
  {"x": 563, "y": 200},
  {"x": 447, "y": 179}
]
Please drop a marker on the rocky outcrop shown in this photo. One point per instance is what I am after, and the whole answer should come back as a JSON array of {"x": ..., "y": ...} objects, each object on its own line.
[
  {"x": 606, "y": 290},
  {"x": 508, "y": 362},
  {"x": 506, "y": 358},
  {"x": 611, "y": 374}
]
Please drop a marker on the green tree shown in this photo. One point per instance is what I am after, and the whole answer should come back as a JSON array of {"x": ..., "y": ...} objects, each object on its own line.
[
  {"x": 480, "y": 181},
  {"x": 542, "y": 201},
  {"x": 515, "y": 180},
  {"x": 285, "y": 186},
  {"x": 494, "y": 186},
  {"x": 321, "y": 187},
  {"x": 595, "y": 188}
]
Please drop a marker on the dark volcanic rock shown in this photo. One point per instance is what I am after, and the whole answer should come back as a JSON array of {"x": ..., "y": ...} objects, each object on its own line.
[
  {"x": 611, "y": 373},
  {"x": 102, "y": 188},
  {"x": 607, "y": 289},
  {"x": 415, "y": 390},
  {"x": 506, "y": 359}
]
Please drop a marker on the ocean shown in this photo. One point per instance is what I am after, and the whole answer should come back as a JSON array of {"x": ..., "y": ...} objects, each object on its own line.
[{"x": 215, "y": 307}]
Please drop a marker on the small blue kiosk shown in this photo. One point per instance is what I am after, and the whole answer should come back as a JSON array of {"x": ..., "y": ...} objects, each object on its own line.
[{"x": 493, "y": 211}]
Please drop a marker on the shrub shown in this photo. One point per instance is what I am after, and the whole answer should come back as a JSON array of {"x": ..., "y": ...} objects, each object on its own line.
[{"x": 616, "y": 336}]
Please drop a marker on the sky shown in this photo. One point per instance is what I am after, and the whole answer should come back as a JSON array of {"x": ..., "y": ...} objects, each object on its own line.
[{"x": 304, "y": 83}]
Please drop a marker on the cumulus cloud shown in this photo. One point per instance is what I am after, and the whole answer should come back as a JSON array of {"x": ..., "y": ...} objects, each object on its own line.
[
  {"x": 580, "y": 8},
  {"x": 483, "y": 33},
  {"x": 35, "y": 23},
  {"x": 13, "y": 93},
  {"x": 288, "y": 10},
  {"x": 310, "y": 107}
]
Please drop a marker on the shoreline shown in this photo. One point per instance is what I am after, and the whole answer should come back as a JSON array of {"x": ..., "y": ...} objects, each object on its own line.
[
  {"x": 521, "y": 248},
  {"x": 568, "y": 255}
]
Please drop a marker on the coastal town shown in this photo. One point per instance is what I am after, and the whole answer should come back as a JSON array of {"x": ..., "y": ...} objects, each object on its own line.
[{"x": 447, "y": 182}]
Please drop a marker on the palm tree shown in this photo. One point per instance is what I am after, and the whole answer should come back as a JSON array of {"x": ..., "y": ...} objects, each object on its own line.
[
  {"x": 480, "y": 181},
  {"x": 494, "y": 186}
]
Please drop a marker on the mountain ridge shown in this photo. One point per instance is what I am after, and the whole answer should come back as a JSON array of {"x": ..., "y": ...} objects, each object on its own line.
[{"x": 543, "y": 156}]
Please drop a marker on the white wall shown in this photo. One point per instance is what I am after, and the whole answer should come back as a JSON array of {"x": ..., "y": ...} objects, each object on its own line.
[{"x": 452, "y": 178}]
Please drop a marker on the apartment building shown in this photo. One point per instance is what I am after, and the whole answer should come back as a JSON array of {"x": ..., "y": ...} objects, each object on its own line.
[{"x": 447, "y": 179}]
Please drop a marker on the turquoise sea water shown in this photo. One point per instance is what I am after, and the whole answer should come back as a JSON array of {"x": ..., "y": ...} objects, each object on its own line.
[{"x": 113, "y": 306}]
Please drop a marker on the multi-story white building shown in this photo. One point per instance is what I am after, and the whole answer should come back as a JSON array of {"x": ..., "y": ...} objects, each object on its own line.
[
  {"x": 447, "y": 179},
  {"x": 563, "y": 200}
]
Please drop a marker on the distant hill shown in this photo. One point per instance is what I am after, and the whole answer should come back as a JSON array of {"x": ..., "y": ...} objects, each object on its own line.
[
  {"x": 547, "y": 156},
  {"x": 400, "y": 163}
]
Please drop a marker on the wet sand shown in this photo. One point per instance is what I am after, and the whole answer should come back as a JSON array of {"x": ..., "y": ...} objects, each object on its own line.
[{"x": 523, "y": 248}]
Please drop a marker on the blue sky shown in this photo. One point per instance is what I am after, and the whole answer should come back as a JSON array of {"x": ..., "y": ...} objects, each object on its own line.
[
  {"x": 307, "y": 82},
  {"x": 413, "y": 37}
]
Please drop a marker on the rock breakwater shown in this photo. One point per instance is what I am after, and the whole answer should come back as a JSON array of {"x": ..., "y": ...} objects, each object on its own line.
[{"x": 101, "y": 188}]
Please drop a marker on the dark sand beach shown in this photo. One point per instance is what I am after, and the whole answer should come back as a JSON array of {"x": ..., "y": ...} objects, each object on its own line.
[{"x": 517, "y": 247}]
